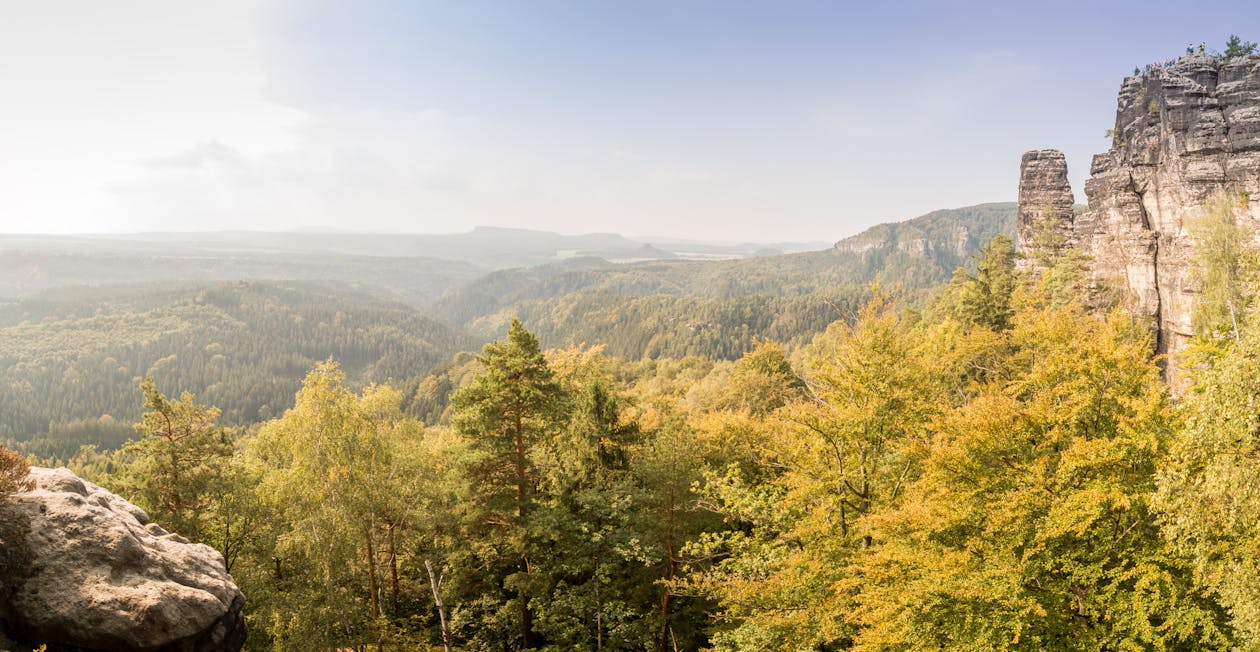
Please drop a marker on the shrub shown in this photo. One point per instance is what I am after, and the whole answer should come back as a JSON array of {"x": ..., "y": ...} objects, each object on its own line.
[{"x": 13, "y": 472}]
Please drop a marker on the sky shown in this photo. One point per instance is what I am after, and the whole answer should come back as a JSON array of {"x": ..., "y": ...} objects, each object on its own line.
[{"x": 719, "y": 120}]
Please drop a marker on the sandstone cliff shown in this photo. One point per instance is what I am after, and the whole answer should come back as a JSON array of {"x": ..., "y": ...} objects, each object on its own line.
[
  {"x": 1186, "y": 134},
  {"x": 1045, "y": 197},
  {"x": 87, "y": 571}
]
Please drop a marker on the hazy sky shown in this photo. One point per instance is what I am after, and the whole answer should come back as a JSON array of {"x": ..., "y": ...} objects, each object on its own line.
[{"x": 712, "y": 119}]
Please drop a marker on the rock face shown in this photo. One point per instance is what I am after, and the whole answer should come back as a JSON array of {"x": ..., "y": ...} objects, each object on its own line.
[
  {"x": 1045, "y": 196},
  {"x": 1187, "y": 137},
  {"x": 97, "y": 575}
]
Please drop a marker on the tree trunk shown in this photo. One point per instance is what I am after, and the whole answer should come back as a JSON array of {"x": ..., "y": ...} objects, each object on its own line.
[
  {"x": 527, "y": 614},
  {"x": 599, "y": 613},
  {"x": 666, "y": 632},
  {"x": 371, "y": 563},
  {"x": 436, "y": 584},
  {"x": 522, "y": 493},
  {"x": 393, "y": 572}
]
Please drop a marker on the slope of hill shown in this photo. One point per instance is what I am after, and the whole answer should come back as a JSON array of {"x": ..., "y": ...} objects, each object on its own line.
[
  {"x": 74, "y": 357},
  {"x": 947, "y": 235},
  {"x": 718, "y": 308}
]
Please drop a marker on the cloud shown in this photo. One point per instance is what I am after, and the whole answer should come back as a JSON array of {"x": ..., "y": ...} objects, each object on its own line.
[{"x": 95, "y": 91}]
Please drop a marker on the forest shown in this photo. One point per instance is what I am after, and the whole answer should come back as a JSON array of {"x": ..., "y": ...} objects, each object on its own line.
[
  {"x": 72, "y": 358},
  {"x": 997, "y": 466}
]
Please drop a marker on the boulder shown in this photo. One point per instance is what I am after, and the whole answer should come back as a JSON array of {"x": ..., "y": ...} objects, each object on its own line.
[{"x": 97, "y": 575}]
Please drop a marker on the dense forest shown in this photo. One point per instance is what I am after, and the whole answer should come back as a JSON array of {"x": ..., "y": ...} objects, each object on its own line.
[
  {"x": 999, "y": 467},
  {"x": 71, "y": 359},
  {"x": 667, "y": 302}
]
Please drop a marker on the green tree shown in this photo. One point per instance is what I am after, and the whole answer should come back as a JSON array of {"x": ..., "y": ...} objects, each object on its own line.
[
  {"x": 984, "y": 298},
  {"x": 669, "y": 466},
  {"x": 1236, "y": 47},
  {"x": 514, "y": 407},
  {"x": 180, "y": 468},
  {"x": 589, "y": 502},
  {"x": 1060, "y": 275},
  {"x": 1227, "y": 265},
  {"x": 336, "y": 480},
  {"x": 1209, "y": 487},
  {"x": 759, "y": 383}
]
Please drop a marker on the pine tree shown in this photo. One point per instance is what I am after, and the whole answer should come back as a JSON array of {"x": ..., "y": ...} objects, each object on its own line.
[
  {"x": 182, "y": 462},
  {"x": 984, "y": 299},
  {"x": 508, "y": 411},
  {"x": 1236, "y": 47}
]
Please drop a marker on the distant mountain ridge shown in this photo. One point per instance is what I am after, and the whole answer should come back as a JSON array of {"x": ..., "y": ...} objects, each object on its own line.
[
  {"x": 653, "y": 308},
  {"x": 484, "y": 247}
]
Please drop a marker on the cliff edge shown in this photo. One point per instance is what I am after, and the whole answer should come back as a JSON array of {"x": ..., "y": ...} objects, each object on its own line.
[{"x": 1187, "y": 135}]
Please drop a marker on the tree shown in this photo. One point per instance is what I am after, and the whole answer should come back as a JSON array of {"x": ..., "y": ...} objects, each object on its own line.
[
  {"x": 1030, "y": 525},
  {"x": 1236, "y": 47},
  {"x": 1209, "y": 487},
  {"x": 759, "y": 383},
  {"x": 337, "y": 482},
  {"x": 797, "y": 514},
  {"x": 984, "y": 299},
  {"x": 1060, "y": 271},
  {"x": 1227, "y": 265},
  {"x": 506, "y": 413},
  {"x": 589, "y": 507},
  {"x": 15, "y": 553},
  {"x": 181, "y": 466},
  {"x": 13, "y": 473}
]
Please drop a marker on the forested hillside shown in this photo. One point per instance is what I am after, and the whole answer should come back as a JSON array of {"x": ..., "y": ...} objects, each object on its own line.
[
  {"x": 71, "y": 360},
  {"x": 718, "y": 308},
  {"x": 414, "y": 268}
]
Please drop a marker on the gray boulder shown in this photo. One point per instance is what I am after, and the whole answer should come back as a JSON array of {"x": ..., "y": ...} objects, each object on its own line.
[{"x": 92, "y": 573}]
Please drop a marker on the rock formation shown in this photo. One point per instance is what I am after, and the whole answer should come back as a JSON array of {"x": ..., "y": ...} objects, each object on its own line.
[
  {"x": 95, "y": 574},
  {"x": 1045, "y": 197},
  {"x": 1187, "y": 136}
]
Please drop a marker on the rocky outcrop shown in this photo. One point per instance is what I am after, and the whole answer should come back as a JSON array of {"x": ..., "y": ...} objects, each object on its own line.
[
  {"x": 95, "y": 574},
  {"x": 1187, "y": 134},
  {"x": 1045, "y": 197}
]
